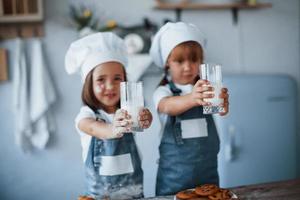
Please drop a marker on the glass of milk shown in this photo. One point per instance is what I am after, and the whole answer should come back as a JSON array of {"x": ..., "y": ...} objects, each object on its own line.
[
  {"x": 132, "y": 100},
  {"x": 212, "y": 73}
]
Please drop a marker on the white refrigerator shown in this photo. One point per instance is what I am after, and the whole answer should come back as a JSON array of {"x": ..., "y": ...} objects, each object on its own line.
[{"x": 258, "y": 136}]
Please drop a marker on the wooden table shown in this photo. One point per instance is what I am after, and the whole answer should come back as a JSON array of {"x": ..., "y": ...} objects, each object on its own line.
[
  {"x": 282, "y": 190},
  {"x": 276, "y": 191}
]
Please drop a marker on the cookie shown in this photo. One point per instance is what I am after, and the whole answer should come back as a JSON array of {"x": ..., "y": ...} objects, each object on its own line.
[
  {"x": 199, "y": 198},
  {"x": 186, "y": 194},
  {"x": 206, "y": 189},
  {"x": 222, "y": 194},
  {"x": 85, "y": 198}
]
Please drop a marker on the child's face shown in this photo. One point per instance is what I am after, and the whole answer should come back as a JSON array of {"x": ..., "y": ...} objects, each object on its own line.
[
  {"x": 106, "y": 83},
  {"x": 184, "y": 61}
]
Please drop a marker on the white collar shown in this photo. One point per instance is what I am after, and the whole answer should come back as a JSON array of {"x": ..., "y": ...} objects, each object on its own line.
[
  {"x": 107, "y": 116},
  {"x": 187, "y": 88}
]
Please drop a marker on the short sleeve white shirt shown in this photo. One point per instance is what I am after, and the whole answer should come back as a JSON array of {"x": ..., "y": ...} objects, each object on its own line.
[
  {"x": 85, "y": 139},
  {"x": 165, "y": 91}
]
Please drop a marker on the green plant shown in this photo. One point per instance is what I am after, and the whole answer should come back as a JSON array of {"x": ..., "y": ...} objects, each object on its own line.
[{"x": 82, "y": 16}]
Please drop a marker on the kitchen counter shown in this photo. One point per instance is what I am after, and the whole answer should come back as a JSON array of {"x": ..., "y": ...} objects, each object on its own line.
[
  {"x": 278, "y": 190},
  {"x": 272, "y": 191}
]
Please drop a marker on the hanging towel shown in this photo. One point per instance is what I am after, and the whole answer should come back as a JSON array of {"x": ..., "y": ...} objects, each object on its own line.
[
  {"x": 42, "y": 96},
  {"x": 21, "y": 97},
  {"x": 34, "y": 95}
]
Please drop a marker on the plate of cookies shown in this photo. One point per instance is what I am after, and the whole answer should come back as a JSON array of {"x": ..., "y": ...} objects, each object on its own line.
[{"x": 206, "y": 192}]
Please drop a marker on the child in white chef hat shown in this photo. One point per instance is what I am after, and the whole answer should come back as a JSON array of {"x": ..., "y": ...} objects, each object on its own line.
[
  {"x": 189, "y": 143},
  {"x": 112, "y": 163}
]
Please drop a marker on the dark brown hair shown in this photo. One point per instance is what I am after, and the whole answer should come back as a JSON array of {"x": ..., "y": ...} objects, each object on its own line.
[
  {"x": 190, "y": 46},
  {"x": 87, "y": 94}
]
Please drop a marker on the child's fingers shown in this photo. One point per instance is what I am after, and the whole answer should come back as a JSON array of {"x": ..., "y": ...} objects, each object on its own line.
[
  {"x": 144, "y": 111},
  {"x": 204, "y": 95},
  {"x": 224, "y": 95},
  {"x": 128, "y": 116},
  {"x": 144, "y": 117},
  {"x": 204, "y": 88},
  {"x": 225, "y": 90},
  {"x": 120, "y": 111},
  {"x": 207, "y": 95},
  {"x": 201, "y": 102},
  {"x": 201, "y": 82},
  {"x": 225, "y": 105},
  {"x": 123, "y": 123},
  {"x": 120, "y": 114},
  {"x": 145, "y": 124},
  {"x": 224, "y": 113},
  {"x": 144, "y": 114}
]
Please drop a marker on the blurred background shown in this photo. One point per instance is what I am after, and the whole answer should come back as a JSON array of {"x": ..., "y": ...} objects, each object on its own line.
[{"x": 257, "y": 43}]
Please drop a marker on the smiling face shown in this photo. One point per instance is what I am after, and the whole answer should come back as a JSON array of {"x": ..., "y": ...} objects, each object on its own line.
[
  {"x": 106, "y": 80},
  {"x": 183, "y": 62}
]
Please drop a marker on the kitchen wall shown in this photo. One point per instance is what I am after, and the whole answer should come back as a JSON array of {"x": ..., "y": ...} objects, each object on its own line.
[{"x": 264, "y": 41}]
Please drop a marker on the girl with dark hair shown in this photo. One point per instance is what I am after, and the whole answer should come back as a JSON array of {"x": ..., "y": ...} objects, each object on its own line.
[{"x": 110, "y": 155}]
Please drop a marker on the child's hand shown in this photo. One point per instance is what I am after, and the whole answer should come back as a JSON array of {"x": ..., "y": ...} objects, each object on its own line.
[
  {"x": 199, "y": 92},
  {"x": 224, "y": 95},
  {"x": 121, "y": 123},
  {"x": 145, "y": 118}
]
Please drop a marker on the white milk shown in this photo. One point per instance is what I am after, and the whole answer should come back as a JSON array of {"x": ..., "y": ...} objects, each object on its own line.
[
  {"x": 216, "y": 106},
  {"x": 217, "y": 91},
  {"x": 132, "y": 100},
  {"x": 133, "y": 111}
]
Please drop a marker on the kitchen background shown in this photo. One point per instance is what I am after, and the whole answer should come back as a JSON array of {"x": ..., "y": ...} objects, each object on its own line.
[{"x": 262, "y": 42}]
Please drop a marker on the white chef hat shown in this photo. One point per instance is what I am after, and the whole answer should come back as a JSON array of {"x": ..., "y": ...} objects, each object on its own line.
[
  {"x": 88, "y": 52},
  {"x": 169, "y": 36}
]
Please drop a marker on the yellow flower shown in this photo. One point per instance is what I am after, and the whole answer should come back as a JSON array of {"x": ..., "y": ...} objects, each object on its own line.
[
  {"x": 87, "y": 13},
  {"x": 111, "y": 23}
]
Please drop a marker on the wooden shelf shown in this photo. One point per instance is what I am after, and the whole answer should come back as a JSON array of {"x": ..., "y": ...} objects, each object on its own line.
[
  {"x": 206, "y": 6},
  {"x": 186, "y": 5},
  {"x": 21, "y": 11},
  {"x": 21, "y": 18}
]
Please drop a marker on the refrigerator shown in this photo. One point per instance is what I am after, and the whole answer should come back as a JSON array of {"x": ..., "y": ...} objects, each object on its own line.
[{"x": 258, "y": 136}]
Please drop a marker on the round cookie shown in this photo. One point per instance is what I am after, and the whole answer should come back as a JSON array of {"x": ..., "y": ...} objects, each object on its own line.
[
  {"x": 186, "y": 194},
  {"x": 206, "y": 189},
  {"x": 222, "y": 194},
  {"x": 85, "y": 198}
]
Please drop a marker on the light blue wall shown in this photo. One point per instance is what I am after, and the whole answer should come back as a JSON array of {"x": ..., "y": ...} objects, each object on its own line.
[{"x": 264, "y": 41}]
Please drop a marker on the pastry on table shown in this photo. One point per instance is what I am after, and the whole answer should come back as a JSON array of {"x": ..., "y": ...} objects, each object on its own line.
[
  {"x": 206, "y": 192},
  {"x": 85, "y": 198}
]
